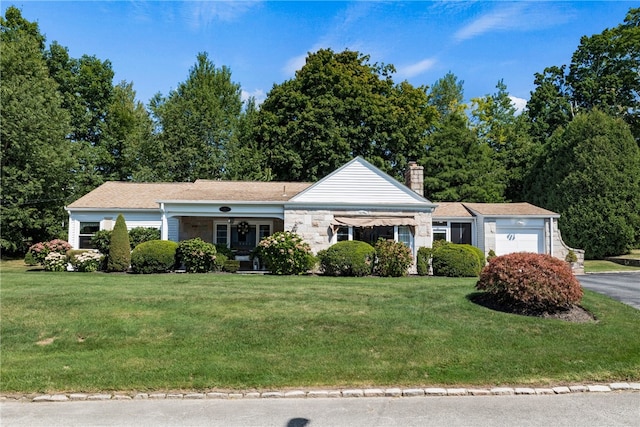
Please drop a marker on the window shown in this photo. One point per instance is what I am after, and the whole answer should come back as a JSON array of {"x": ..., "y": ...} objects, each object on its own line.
[
  {"x": 342, "y": 233},
  {"x": 87, "y": 230},
  {"x": 264, "y": 231},
  {"x": 222, "y": 234},
  {"x": 372, "y": 234},
  {"x": 404, "y": 235},
  {"x": 461, "y": 232}
]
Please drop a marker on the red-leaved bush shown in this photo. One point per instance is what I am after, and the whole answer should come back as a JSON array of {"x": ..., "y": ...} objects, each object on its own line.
[{"x": 535, "y": 282}]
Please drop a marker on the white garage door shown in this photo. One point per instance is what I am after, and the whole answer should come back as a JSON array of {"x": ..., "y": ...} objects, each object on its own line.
[{"x": 510, "y": 240}]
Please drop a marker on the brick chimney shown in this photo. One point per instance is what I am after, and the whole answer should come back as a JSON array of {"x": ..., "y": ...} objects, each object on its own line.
[{"x": 414, "y": 177}]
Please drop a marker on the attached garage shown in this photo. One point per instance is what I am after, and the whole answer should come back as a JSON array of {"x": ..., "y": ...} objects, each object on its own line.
[{"x": 519, "y": 239}]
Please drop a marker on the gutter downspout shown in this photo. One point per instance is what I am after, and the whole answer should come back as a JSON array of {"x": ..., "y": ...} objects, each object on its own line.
[
  {"x": 551, "y": 236},
  {"x": 164, "y": 228}
]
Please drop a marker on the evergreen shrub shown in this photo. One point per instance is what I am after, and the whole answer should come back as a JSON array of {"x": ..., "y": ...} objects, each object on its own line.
[
  {"x": 423, "y": 259},
  {"x": 536, "y": 282},
  {"x": 196, "y": 255},
  {"x": 154, "y": 256},
  {"x": 139, "y": 235},
  {"x": 348, "y": 258},
  {"x": 231, "y": 266},
  {"x": 455, "y": 260},
  {"x": 119, "y": 249},
  {"x": 393, "y": 258},
  {"x": 285, "y": 252}
]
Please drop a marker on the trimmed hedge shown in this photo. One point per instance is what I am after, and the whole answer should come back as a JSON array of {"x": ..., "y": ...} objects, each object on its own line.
[
  {"x": 155, "y": 256},
  {"x": 348, "y": 258},
  {"x": 456, "y": 260},
  {"x": 536, "y": 282}
]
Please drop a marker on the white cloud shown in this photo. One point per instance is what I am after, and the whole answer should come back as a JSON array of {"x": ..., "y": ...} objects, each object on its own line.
[
  {"x": 519, "y": 103},
  {"x": 416, "y": 69},
  {"x": 294, "y": 64},
  {"x": 258, "y": 94},
  {"x": 521, "y": 16},
  {"x": 202, "y": 13}
]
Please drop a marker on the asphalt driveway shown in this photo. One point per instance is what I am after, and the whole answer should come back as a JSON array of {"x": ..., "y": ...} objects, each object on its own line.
[{"x": 623, "y": 287}]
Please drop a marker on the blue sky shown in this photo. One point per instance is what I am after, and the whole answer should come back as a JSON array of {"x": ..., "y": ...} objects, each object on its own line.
[{"x": 154, "y": 43}]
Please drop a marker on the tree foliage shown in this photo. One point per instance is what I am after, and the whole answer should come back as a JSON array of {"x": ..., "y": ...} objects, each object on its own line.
[
  {"x": 197, "y": 122},
  {"x": 337, "y": 107},
  {"x": 590, "y": 174},
  {"x": 36, "y": 159}
]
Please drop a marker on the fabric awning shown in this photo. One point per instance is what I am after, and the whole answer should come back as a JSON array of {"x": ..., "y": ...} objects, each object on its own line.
[{"x": 372, "y": 221}]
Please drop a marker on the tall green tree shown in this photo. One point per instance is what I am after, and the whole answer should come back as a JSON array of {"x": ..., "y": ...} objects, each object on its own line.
[
  {"x": 447, "y": 96},
  {"x": 589, "y": 172},
  {"x": 604, "y": 72},
  {"x": 36, "y": 159},
  {"x": 197, "y": 122},
  {"x": 458, "y": 166},
  {"x": 339, "y": 106},
  {"x": 498, "y": 125},
  {"x": 127, "y": 133}
]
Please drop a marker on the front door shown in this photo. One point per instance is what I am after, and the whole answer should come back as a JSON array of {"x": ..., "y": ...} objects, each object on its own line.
[{"x": 243, "y": 238}]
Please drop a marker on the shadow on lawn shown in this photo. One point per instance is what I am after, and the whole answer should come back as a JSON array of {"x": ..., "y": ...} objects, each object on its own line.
[{"x": 575, "y": 313}]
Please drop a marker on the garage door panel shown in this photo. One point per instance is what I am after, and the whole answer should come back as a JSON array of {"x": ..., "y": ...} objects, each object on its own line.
[{"x": 518, "y": 240}]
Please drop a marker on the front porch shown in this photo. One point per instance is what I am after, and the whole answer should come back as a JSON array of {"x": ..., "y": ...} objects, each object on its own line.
[{"x": 240, "y": 234}]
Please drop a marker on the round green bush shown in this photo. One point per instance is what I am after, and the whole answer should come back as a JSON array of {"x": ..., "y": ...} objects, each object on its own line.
[
  {"x": 154, "y": 256},
  {"x": 535, "y": 282},
  {"x": 196, "y": 255},
  {"x": 348, "y": 258},
  {"x": 455, "y": 260}
]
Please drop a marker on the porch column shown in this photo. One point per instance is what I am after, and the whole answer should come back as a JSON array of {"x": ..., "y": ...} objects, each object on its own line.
[{"x": 164, "y": 229}]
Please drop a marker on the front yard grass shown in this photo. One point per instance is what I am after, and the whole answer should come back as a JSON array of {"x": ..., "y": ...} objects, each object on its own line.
[{"x": 89, "y": 332}]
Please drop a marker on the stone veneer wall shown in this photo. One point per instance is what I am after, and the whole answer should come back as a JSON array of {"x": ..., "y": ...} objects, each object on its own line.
[{"x": 314, "y": 226}]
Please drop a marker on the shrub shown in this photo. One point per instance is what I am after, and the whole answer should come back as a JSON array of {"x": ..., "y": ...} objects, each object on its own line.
[
  {"x": 454, "y": 260},
  {"x": 154, "y": 256},
  {"x": 285, "y": 252},
  {"x": 39, "y": 251},
  {"x": 84, "y": 260},
  {"x": 101, "y": 241},
  {"x": 224, "y": 250},
  {"x": 139, "y": 235},
  {"x": 423, "y": 259},
  {"x": 218, "y": 263},
  {"x": 119, "y": 249},
  {"x": 29, "y": 259},
  {"x": 479, "y": 255},
  {"x": 197, "y": 255},
  {"x": 393, "y": 258},
  {"x": 347, "y": 258},
  {"x": 536, "y": 282},
  {"x": 491, "y": 255},
  {"x": 571, "y": 257},
  {"x": 231, "y": 265},
  {"x": 55, "y": 261}
]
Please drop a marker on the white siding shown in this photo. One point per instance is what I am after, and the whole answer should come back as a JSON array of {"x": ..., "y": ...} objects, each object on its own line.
[{"x": 358, "y": 183}]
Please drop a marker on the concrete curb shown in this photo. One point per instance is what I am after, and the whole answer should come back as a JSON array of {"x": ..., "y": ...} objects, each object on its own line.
[{"x": 345, "y": 393}]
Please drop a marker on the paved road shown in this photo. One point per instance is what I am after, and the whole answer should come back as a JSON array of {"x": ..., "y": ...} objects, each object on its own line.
[
  {"x": 624, "y": 287},
  {"x": 588, "y": 409}
]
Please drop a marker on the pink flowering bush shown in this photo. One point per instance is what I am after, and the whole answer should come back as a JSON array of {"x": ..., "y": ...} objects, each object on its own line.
[
  {"x": 394, "y": 258},
  {"x": 40, "y": 250},
  {"x": 285, "y": 253}
]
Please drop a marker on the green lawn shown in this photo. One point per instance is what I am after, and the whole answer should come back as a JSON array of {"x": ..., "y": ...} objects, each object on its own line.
[
  {"x": 90, "y": 332},
  {"x": 602, "y": 266}
]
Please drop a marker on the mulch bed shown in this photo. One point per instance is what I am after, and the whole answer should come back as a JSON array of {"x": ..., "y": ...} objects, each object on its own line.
[{"x": 575, "y": 313}]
